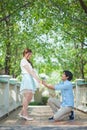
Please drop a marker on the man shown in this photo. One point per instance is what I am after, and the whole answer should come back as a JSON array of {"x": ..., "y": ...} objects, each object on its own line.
[{"x": 64, "y": 108}]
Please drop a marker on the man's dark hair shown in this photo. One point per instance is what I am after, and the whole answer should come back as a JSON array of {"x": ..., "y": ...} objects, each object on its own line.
[{"x": 68, "y": 74}]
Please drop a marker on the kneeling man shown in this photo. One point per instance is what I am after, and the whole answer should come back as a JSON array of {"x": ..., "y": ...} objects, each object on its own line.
[{"x": 64, "y": 108}]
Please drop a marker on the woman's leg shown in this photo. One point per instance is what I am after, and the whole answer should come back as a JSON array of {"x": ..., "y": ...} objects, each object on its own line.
[{"x": 27, "y": 97}]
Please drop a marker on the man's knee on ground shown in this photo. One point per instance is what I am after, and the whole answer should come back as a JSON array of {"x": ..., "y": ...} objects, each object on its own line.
[{"x": 59, "y": 116}]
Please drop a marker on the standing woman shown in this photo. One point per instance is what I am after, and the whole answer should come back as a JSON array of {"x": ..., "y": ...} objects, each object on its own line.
[{"x": 28, "y": 85}]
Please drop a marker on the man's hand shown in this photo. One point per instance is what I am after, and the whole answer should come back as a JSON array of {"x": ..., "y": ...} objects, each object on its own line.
[{"x": 48, "y": 86}]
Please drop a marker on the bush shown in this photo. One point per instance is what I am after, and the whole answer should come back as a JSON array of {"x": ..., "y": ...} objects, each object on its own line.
[
  {"x": 36, "y": 103},
  {"x": 44, "y": 100}
]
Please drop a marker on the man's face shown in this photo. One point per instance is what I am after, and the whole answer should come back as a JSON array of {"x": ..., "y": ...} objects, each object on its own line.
[{"x": 64, "y": 77}]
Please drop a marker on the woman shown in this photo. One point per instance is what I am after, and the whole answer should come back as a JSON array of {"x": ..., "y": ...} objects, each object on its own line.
[{"x": 28, "y": 85}]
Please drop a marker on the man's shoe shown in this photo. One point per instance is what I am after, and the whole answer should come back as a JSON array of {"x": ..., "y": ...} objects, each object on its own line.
[
  {"x": 51, "y": 118},
  {"x": 71, "y": 117}
]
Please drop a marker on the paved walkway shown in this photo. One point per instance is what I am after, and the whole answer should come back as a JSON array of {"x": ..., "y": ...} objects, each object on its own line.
[{"x": 41, "y": 122}]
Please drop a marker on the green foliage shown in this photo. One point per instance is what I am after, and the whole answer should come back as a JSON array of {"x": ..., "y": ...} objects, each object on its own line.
[
  {"x": 35, "y": 103},
  {"x": 43, "y": 102},
  {"x": 55, "y": 30}
]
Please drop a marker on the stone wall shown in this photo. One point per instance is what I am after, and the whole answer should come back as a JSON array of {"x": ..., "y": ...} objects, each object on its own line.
[{"x": 10, "y": 97}]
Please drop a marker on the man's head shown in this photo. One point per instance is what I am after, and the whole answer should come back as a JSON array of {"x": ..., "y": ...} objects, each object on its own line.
[{"x": 67, "y": 75}]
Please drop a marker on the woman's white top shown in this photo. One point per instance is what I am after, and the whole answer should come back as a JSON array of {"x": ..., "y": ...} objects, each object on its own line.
[
  {"x": 24, "y": 72},
  {"x": 22, "y": 64}
]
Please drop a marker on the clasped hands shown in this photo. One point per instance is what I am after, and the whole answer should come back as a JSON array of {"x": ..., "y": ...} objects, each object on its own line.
[{"x": 43, "y": 82}]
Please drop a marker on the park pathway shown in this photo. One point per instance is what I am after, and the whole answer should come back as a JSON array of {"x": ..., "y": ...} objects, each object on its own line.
[{"x": 41, "y": 122}]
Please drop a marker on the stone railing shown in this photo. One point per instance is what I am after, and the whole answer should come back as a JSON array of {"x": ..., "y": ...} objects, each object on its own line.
[
  {"x": 10, "y": 98},
  {"x": 80, "y": 95}
]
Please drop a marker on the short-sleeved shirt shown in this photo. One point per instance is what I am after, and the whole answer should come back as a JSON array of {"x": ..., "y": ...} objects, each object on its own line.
[{"x": 66, "y": 89}]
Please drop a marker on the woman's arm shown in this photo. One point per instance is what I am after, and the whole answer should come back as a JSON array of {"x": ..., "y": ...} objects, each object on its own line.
[
  {"x": 48, "y": 86},
  {"x": 32, "y": 72}
]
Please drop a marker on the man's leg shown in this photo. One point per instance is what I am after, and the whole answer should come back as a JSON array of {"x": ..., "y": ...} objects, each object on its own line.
[
  {"x": 54, "y": 104},
  {"x": 62, "y": 112}
]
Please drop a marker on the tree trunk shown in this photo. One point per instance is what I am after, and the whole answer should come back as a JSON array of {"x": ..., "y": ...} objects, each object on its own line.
[
  {"x": 8, "y": 48},
  {"x": 82, "y": 62},
  {"x": 84, "y": 7},
  {"x": 76, "y": 70}
]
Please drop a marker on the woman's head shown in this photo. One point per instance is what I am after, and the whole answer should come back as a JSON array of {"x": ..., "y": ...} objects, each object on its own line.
[{"x": 27, "y": 53}]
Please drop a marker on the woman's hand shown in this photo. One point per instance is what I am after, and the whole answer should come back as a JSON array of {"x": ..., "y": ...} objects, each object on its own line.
[
  {"x": 44, "y": 83},
  {"x": 40, "y": 81}
]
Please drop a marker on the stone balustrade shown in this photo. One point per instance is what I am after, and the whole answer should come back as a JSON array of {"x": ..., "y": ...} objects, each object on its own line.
[
  {"x": 80, "y": 95},
  {"x": 10, "y": 97}
]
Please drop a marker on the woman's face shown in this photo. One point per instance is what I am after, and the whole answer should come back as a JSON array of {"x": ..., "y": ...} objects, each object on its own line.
[{"x": 28, "y": 55}]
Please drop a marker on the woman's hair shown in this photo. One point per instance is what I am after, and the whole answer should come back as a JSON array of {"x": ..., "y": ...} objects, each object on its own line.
[
  {"x": 68, "y": 74},
  {"x": 27, "y": 51}
]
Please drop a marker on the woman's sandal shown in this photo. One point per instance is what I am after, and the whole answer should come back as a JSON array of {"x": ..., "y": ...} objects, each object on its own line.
[{"x": 25, "y": 117}]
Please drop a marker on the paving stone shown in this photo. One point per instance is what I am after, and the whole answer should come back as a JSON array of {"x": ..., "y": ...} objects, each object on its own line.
[
  {"x": 41, "y": 122},
  {"x": 40, "y": 128}
]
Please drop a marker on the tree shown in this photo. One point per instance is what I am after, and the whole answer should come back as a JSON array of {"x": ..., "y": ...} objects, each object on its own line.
[{"x": 53, "y": 29}]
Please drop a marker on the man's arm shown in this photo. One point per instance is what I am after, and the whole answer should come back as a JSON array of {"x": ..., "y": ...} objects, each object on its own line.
[
  {"x": 59, "y": 86},
  {"x": 48, "y": 86}
]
